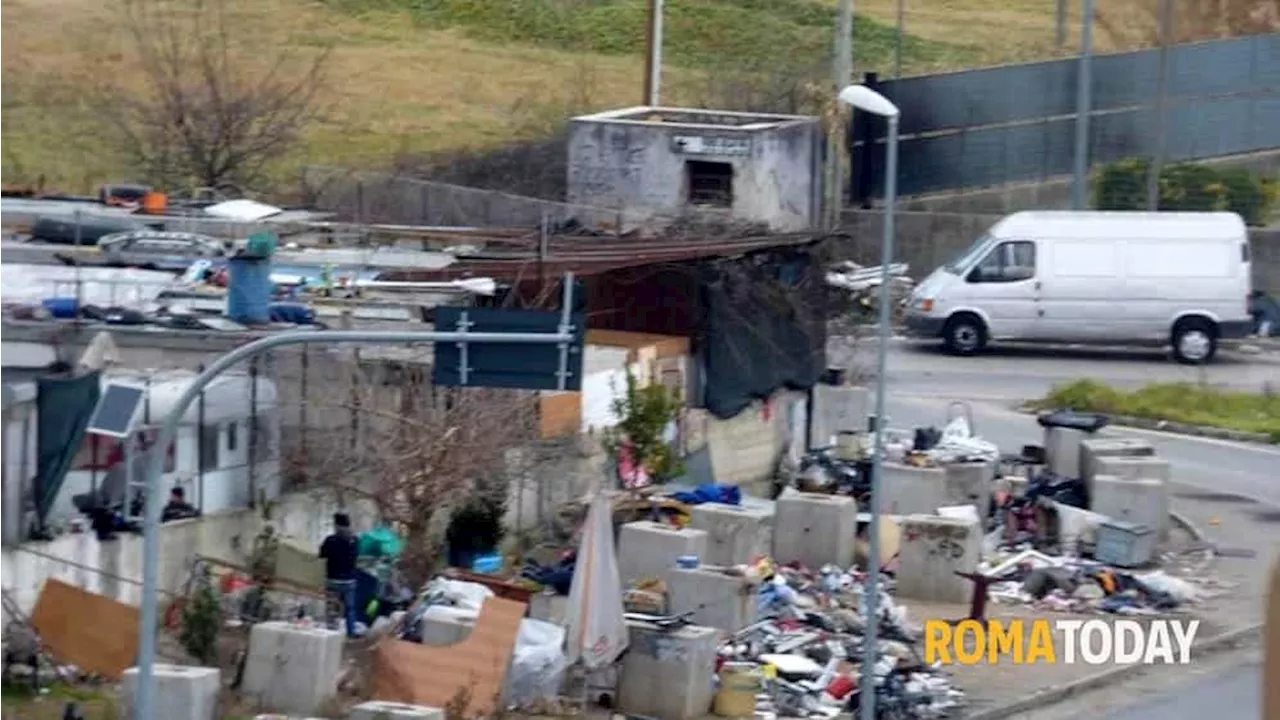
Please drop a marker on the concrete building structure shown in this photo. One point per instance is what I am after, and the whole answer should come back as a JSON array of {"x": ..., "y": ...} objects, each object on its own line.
[{"x": 655, "y": 163}]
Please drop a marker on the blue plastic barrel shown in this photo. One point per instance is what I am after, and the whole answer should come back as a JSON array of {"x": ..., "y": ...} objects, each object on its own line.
[
  {"x": 249, "y": 290},
  {"x": 62, "y": 308}
]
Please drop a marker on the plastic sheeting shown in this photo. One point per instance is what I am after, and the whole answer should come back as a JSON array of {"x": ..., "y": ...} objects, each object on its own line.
[
  {"x": 64, "y": 406},
  {"x": 596, "y": 628},
  {"x": 760, "y": 339},
  {"x": 538, "y": 665}
]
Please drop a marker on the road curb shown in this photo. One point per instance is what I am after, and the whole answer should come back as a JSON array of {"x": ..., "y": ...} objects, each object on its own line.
[
  {"x": 1192, "y": 430},
  {"x": 1058, "y": 693},
  {"x": 1198, "y": 536}
]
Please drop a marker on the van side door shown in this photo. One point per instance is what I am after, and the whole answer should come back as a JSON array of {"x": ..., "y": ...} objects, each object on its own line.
[
  {"x": 1004, "y": 286},
  {"x": 1082, "y": 291}
]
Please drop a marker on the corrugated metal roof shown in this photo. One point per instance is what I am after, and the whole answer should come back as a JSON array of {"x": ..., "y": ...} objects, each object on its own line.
[{"x": 585, "y": 256}]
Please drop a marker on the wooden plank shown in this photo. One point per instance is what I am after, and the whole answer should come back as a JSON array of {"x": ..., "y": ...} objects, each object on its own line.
[
  {"x": 95, "y": 633},
  {"x": 434, "y": 676},
  {"x": 559, "y": 414}
]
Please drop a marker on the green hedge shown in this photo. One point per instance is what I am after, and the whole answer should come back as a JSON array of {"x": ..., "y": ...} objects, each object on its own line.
[{"x": 1186, "y": 187}]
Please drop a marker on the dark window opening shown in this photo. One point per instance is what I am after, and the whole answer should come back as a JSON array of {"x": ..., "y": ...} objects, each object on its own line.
[{"x": 710, "y": 183}]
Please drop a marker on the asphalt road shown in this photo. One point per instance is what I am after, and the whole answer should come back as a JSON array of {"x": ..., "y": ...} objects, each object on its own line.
[
  {"x": 923, "y": 382},
  {"x": 1233, "y": 694}
]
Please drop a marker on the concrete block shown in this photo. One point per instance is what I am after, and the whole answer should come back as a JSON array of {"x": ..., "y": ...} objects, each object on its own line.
[
  {"x": 1062, "y": 450},
  {"x": 549, "y": 607},
  {"x": 969, "y": 483},
  {"x": 836, "y": 408},
  {"x": 668, "y": 674},
  {"x": 932, "y": 550},
  {"x": 1148, "y": 467},
  {"x": 182, "y": 692},
  {"x": 815, "y": 529},
  {"x": 292, "y": 669},
  {"x": 1098, "y": 447},
  {"x": 379, "y": 710},
  {"x": 439, "y": 626},
  {"x": 909, "y": 490},
  {"x": 735, "y": 534},
  {"x": 647, "y": 549},
  {"x": 1143, "y": 501},
  {"x": 719, "y": 600}
]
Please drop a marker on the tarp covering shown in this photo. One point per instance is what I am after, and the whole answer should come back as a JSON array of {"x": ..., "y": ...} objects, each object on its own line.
[
  {"x": 64, "y": 406},
  {"x": 596, "y": 631},
  {"x": 764, "y": 328}
]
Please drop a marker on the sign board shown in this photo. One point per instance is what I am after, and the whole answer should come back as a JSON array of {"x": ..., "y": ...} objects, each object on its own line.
[
  {"x": 516, "y": 366},
  {"x": 711, "y": 145}
]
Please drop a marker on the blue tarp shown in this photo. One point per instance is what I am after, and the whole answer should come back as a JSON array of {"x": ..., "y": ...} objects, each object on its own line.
[{"x": 710, "y": 493}]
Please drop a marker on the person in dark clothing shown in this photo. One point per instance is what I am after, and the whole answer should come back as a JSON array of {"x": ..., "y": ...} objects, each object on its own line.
[
  {"x": 178, "y": 508},
  {"x": 339, "y": 553}
]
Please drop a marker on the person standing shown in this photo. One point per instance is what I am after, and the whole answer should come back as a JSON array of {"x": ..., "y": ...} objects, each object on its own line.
[{"x": 339, "y": 552}]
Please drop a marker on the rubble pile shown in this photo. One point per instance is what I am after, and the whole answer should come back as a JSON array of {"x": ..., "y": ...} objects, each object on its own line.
[
  {"x": 1081, "y": 585},
  {"x": 808, "y": 649}
]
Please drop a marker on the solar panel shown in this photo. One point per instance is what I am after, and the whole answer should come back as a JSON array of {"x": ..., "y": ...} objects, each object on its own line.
[{"x": 117, "y": 410}]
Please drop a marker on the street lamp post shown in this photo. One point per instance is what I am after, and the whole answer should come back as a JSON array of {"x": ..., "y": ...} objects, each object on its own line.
[{"x": 863, "y": 98}]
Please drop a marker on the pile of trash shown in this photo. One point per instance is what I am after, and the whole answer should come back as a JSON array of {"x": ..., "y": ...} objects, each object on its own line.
[
  {"x": 807, "y": 651},
  {"x": 1080, "y": 585},
  {"x": 862, "y": 284},
  {"x": 846, "y": 468}
]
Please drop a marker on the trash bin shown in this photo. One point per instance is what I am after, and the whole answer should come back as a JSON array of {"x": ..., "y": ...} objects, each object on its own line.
[{"x": 1072, "y": 420}]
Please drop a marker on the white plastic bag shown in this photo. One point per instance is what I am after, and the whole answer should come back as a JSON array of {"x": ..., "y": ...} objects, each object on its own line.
[{"x": 537, "y": 665}]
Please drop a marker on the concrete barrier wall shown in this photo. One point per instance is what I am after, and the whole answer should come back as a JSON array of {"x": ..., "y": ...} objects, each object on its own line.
[
  {"x": 926, "y": 240},
  {"x": 114, "y": 568}
]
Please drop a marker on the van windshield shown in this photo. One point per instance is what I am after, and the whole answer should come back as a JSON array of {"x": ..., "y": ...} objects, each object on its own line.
[{"x": 968, "y": 257}]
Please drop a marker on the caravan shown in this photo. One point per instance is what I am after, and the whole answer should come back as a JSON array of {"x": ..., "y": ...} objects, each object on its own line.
[{"x": 1179, "y": 279}]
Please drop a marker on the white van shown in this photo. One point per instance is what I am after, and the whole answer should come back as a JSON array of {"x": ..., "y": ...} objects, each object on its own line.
[{"x": 1180, "y": 279}]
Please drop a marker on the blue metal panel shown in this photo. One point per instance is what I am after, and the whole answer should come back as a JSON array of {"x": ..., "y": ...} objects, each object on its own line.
[
  {"x": 507, "y": 365},
  {"x": 1224, "y": 100}
]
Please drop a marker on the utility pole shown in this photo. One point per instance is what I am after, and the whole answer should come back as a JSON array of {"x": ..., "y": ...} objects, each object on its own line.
[
  {"x": 653, "y": 54},
  {"x": 842, "y": 73},
  {"x": 1084, "y": 97},
  {"x": 1162, "y": 105},
  {"x": 897, "y": 39},
  {"x": 1060, "y": 25}
]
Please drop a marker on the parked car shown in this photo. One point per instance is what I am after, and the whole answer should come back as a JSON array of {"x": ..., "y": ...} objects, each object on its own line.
[
  {"x": 1116, "y": 278},
  {"x": 158, "y": 249}
]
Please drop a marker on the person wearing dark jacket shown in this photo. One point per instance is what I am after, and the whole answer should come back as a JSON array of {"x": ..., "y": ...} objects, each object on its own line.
[
  {"x": 178, "y": 508},
  {"x": 339, "y": 553}
]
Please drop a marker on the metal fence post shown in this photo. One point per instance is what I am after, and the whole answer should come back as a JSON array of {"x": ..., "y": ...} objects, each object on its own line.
[
  {"x": 1084, "y": 96},
  {"x": 253, "y": 432}
]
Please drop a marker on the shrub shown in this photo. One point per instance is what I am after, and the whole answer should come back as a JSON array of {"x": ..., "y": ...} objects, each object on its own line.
[{"x": 1186, "y": 187}]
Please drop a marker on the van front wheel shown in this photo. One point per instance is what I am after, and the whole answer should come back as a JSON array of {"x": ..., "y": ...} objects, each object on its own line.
[
  {"x": 964, "y": 335},
  {"x": 1195, "y": 341}
]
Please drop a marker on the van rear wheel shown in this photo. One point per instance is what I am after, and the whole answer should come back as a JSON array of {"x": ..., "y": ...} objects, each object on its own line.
[
  {"x": 1195, "y": 341},
  {"x": 964, "y": 334}
]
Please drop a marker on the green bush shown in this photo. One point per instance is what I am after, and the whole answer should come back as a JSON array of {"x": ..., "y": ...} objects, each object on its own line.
[
  {"x": 1175, "y": 402},
  {"x": 1185, "y": 187}
]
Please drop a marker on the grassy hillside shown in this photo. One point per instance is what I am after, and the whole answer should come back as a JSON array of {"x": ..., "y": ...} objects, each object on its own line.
[{"x": 428, "y": 75}]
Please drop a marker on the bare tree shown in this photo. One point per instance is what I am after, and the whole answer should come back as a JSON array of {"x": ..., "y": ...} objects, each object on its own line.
[
  {"x": 381, "y": 431},
  {"x": 195, "y": 106}
]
